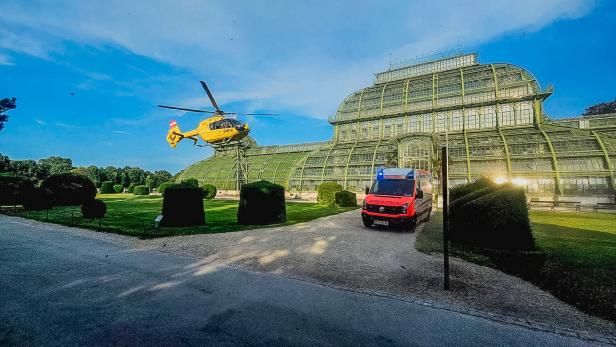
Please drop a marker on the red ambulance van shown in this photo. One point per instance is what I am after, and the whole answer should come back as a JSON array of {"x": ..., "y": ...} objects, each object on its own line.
[{"x": 398, "y": 197}]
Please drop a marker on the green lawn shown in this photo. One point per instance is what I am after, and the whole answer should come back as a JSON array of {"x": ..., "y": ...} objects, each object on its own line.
[
  {"x": 580, "y": 249},
  {"x": 134, "y": 215}
]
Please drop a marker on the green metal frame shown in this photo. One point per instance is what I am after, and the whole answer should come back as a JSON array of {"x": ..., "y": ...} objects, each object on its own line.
[{"x": 608, "y": 162}]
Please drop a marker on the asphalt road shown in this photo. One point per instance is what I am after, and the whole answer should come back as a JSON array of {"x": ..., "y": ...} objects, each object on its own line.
[{"x": 66, "y": 288}]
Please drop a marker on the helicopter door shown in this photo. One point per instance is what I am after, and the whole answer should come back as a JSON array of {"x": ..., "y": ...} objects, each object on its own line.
[{"x": 221, "y": 130}]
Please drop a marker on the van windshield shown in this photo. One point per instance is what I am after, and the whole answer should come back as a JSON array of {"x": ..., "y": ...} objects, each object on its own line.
[{"x": 395, "y": 187}]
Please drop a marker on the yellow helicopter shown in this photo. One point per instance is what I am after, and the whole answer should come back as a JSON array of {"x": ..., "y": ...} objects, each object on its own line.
[{"x": 214, "y": 131}]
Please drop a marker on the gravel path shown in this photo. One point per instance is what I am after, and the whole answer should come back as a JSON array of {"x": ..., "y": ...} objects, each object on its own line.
[{"x": 338, "y": 251}]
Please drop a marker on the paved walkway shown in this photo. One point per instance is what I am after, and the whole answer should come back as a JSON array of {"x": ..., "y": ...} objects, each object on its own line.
[
  {"x": 327, "y": 254},
  {"x": 67, "y": 288}
]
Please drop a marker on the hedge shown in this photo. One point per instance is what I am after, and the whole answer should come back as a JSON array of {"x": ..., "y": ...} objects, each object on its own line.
[
  {"x": 38, "y": 199},
  {"x": 131, "y": 188},
  {"x": 94, "y": 209},
  {"x": 461, "y": 190},
  {"x": 191, "y": 182},
  {"x": 141, "y": 190},
  {"x": 163, "y": 186},
  {"x": 344, "y": 198},
  {"x": 209, "y": 191},
  {"x": 183, "y": 206},
  {"x": 118, "y": 188},
  {"x": 70, "y": 189},
  {"x": 13, "y": 189},
  {"x": 261, "y": 202},
  {"x": 497, "y": 220},
  {"x": 326, "y": 193},
  {"x": 107, "y": 187}
]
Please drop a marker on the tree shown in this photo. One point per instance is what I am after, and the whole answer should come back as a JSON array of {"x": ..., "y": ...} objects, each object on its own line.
[
  {"x": 5, "y": 163},
  {"x": 158, "y": 177},
  {"x": 601, "y": 108},
  {"x": 6, "y": 105},
  {"x": 57, "y": 165},
  {"x": 136, "y": 176}
]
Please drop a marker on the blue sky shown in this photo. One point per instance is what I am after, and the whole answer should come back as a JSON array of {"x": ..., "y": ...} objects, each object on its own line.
[{"x": 298, "y": 59}]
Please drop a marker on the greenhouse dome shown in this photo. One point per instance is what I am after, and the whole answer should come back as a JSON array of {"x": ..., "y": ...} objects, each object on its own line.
[{"x": 489, "y": 115}]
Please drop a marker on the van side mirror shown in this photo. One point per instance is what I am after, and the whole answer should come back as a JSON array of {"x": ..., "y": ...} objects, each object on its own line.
[
  {"x": 419, "y": 194},
  {"x": 367, "y": 190}
]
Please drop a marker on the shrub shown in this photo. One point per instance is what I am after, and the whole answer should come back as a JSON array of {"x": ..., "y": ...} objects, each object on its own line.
[
  {"x": 163, "y": 186},
  {"x": 107, "y": 187},
  {"x": 38, "y": 199},
  {"x": 131, "y": 188},
  {"x": 13, "y": 189},
  {"x": 183, "y": 206},
  {"x": 191, "y": 182},
  {"x": 497, "y": 220},
  {"x": 344, "y": 198},
  {"x": 94, "y": 209},
  {"x": 118, "y": 188},
  {"x": 209, "y": 191},
  {"x": 461, "y": 190},
  {"x": 70, "y": 189},
  {"x": 261, "y": 202},
  {"x": 141, "y": 190},
  {"x": 326, "y": 193}
]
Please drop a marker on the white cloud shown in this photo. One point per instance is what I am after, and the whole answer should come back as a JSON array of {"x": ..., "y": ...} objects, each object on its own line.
[
  {"x": 40, "y": 122},
  {"x": 5, "y": 60},
  {"x": 299, "y": 56},
  {"x": 122, "y": 132}
]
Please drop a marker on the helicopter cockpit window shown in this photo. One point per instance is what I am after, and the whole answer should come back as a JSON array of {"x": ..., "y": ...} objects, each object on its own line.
[{"x": 224, "y": 123}]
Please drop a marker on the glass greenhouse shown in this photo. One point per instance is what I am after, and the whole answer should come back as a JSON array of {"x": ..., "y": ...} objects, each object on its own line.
[{"x": 490, "y": 115}]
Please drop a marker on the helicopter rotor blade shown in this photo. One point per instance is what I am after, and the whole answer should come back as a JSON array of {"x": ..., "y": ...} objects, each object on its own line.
[
  {"x": 255, "y": 114},
  {"x": 185, "y": 109},
  {"x": 209, "y": 94}
]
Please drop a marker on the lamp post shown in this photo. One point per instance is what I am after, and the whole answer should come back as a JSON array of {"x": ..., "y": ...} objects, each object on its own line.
[{"x": 444, "y": 187}]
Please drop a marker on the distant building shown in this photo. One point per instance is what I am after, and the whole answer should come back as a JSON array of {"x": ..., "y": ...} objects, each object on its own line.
[{"x": 491, "y": 115}]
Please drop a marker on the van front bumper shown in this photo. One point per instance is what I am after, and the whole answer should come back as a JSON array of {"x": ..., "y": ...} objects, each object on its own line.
[{"x": 392, "y": 219}]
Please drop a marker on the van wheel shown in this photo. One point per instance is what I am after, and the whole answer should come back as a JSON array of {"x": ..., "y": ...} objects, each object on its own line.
[
  {"x": 367, "y": 222},
  {"x": 411, "y": 225}
]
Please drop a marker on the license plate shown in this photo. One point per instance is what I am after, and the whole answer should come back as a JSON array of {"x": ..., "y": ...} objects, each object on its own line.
[{"x": 381, "y": 222}]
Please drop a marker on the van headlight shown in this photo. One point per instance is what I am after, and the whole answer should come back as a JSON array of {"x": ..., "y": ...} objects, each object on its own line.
[
  {"x": 364, "y": 205},
  {"x": 404, "y": 208}
]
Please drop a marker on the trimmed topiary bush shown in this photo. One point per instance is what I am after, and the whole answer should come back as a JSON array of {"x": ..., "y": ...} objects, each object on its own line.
[
  {"x": 141, "y": 190},
  {"x": 118, "y": 188},
  {"x": 94, "y": 209},
  {"x": 131, "y": 188},
  {"x": 70, "y": 189},
  {"x": 497, "y": 220},
  {"x": 326, "y": 193},
  {"x": 344, "y": 198},
  {"x": 183, "y": 206},
  {"x": 163, "y": 186},
  {"x": 209, "y": 191},
  {"x": 191, "y": 182},
  {"x": 14, "y": 189},
  {"x": 261, "y": 202},
  {"x": 38, "y": 199},
  {"x": 461, "y": 190},
  {"x": 107, "y": 187}
]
